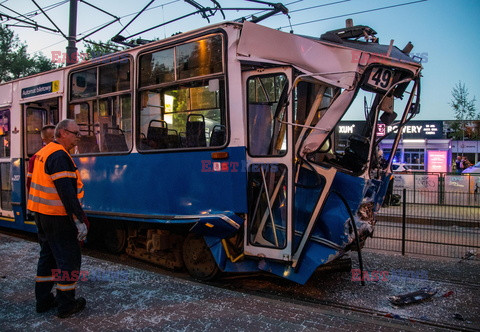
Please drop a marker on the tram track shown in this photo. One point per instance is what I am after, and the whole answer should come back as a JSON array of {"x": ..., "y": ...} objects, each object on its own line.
[
  {"x": 388, "y": 319},
  {"x": 230, "y": 282},
  {"x": 254, "y": 285}
]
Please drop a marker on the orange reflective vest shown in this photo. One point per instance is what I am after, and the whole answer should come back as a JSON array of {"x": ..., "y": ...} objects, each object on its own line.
[{"x": 43, "y": 196}]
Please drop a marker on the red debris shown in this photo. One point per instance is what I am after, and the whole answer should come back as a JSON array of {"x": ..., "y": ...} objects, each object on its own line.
[{"x": 447, "y": 294}]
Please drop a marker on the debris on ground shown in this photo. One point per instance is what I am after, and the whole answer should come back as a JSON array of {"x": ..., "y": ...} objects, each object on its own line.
[
  {"x": 447, "y": 294},
  {"x": 414, "y": 297},
  {"x": 458, "y": 317},
  {"x": 468, "y": 255}
]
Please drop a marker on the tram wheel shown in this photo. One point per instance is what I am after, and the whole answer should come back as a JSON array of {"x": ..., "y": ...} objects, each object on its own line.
[
  {"x": 198, "y": 259},
  {"x": 115, "y": 237}
]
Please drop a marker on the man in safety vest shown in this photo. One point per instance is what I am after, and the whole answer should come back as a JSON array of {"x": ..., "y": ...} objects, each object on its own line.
[{"x": 55, "y": 194}]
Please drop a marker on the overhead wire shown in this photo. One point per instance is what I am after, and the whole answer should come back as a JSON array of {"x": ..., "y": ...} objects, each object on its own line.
[
  {"x": 263, "y": 11},
  {"x": 318, "y": 6},
  {"x": 47, "y": 8},
  {"x": 354, "y": 13},
  {"x": 34, "y": 13},
  {"x": 167, "y": 3}
]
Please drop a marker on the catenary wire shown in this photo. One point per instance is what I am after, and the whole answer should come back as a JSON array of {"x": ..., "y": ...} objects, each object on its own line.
[{"x": 354, "y": 13}]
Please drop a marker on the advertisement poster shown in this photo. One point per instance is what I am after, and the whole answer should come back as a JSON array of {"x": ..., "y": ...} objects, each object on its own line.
[{"x": 437, "y": 161}]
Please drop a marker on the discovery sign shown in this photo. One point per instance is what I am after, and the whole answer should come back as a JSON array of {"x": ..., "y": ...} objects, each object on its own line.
[{"x": 413, "y": 129}]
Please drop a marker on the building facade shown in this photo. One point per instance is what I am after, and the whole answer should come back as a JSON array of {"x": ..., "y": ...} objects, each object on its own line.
[{"x": 424, "y": 146}]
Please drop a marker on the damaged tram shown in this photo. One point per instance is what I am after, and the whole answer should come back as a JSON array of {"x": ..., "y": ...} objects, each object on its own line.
[{"x": 214, "y": 150}]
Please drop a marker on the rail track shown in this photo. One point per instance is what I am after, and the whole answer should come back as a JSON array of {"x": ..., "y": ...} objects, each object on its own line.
[{"x": 263, "y": 285}]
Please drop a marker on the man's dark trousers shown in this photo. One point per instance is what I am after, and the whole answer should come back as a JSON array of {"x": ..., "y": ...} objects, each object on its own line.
[{"x": 60, "y": 250}]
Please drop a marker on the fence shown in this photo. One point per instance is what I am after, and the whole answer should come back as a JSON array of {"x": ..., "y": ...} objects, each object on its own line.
[
  {"x": 440, "y": 188},
  {"x": 429, "y": 222}
]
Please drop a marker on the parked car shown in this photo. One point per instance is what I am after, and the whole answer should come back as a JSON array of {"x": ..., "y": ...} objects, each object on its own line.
[
  {"x": 399, "y": 168},
  {"x": 472, "y": 169}
]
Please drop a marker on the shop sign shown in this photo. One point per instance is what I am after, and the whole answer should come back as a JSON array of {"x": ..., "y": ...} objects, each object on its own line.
[
  {"x": 413, "y": 129},
  {"x": 417, "y": 129},
  {"x": 464, "y": 146}
]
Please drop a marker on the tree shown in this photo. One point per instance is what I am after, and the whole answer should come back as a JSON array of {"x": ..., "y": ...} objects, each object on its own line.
[
  {"x": 465, "y": 113},
  {"x": 14, "y": 59},
  {"x": 97, "y": 49}
]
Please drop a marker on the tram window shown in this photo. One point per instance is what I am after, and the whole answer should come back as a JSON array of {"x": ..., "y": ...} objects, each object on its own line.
[
  {"x": 156, "y": 68},
  {"x": 268, "y": 225},
  {"x": 263, "y": 96},
  {"x": 202, "y": 57},
  {"x": 105, "y": 124},
  {"x": 184, "y": 116},
  {"x": 6, "y": 186},
  {"x": 35, "y": 121},
  {"x": 4, "y": 133},
  {"x": 37, "y": 115},
  {"x": 84, "y": 84},
  {"x": 114, "y": 77}
]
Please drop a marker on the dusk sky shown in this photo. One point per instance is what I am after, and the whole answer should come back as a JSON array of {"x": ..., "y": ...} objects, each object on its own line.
[{"x": 443, "y": 32}]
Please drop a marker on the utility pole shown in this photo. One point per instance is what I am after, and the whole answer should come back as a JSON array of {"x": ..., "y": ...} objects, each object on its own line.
[{"x": 72, "y": 55}]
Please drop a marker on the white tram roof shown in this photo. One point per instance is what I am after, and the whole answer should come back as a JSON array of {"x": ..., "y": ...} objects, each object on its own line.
[{"x": 334, "y": 63}]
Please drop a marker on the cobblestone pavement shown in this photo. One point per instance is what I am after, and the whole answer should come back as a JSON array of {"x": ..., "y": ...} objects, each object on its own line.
[{"x": 123, "y": 298}]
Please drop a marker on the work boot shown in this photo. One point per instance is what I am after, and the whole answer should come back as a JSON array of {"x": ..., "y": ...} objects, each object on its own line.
[
  {"x": 45, "y": 306},
  {"x": 77, "y": 306}
]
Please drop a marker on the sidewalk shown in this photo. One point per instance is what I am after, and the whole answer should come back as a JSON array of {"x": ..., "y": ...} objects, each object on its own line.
[{"x": 122, "y": 298}]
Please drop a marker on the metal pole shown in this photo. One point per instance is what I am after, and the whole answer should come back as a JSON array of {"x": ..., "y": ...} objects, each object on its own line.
[
  {"x": 404, "y": 218},
  {"x": 72, "y": 56}
]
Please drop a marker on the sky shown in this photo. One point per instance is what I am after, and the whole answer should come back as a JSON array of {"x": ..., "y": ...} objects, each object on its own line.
[{"x": 443, "y": 32}]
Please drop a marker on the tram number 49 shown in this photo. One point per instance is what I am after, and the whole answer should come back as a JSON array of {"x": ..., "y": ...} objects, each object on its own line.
[{"x": 380, "y": 78}]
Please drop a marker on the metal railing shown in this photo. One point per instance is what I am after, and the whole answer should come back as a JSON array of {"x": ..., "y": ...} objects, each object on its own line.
[
  {"x": 440, "y": 188},
  {"x": 429, "y": 222}
]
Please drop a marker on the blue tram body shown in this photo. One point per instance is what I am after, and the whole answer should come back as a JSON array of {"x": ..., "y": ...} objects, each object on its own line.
[
  {"x": 214, "y": 151},
  {"x": 167, "y": 184}
]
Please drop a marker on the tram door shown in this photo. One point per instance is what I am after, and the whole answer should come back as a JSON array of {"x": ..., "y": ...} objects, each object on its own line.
[
  {"x": 37, "y": 114},
  {"x": 269, "y": 164},
  {"x": 5, "y": 162}
]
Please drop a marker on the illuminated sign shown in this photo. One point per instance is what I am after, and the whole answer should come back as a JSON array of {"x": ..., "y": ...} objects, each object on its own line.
[
  {"x": 381, "y": 129},
  {"x": 412, "y": 130},
  {"x": 427, "y": 130},
  {"x": 346, "y": 129},
  {"x": 437, "y": 161}
]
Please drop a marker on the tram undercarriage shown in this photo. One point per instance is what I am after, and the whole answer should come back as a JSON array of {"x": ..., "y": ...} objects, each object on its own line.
[{"x": 174, "y": 249}]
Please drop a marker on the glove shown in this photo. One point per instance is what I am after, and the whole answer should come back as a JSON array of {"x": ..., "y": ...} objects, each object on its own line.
[
  {"x": 86, "y": 222},
  {"x": 82, "y": 230}
]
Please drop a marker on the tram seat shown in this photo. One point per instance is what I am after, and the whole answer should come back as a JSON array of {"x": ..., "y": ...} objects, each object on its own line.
[
  {"x": 356, "y": 153},
  {"x": 157, "y": 135},
  {"x": 173, "y": 139},
  {"x": 217, "y": 136},
  {"x": 116, "y": 142},
  {"x": 87, "y": 144},
  {"x": 195, "y": 131},
  {"x": 183, "y": 139}
]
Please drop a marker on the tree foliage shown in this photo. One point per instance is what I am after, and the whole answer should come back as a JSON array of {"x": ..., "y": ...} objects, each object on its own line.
[
  {"x": 97, "y": 49},
  {"x": 465, "y": 112},
  {"x": 15, "y": 62}
]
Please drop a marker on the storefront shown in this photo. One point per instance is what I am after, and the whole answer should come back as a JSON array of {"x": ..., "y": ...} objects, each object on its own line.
[{"x": 423, "y": 146}]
